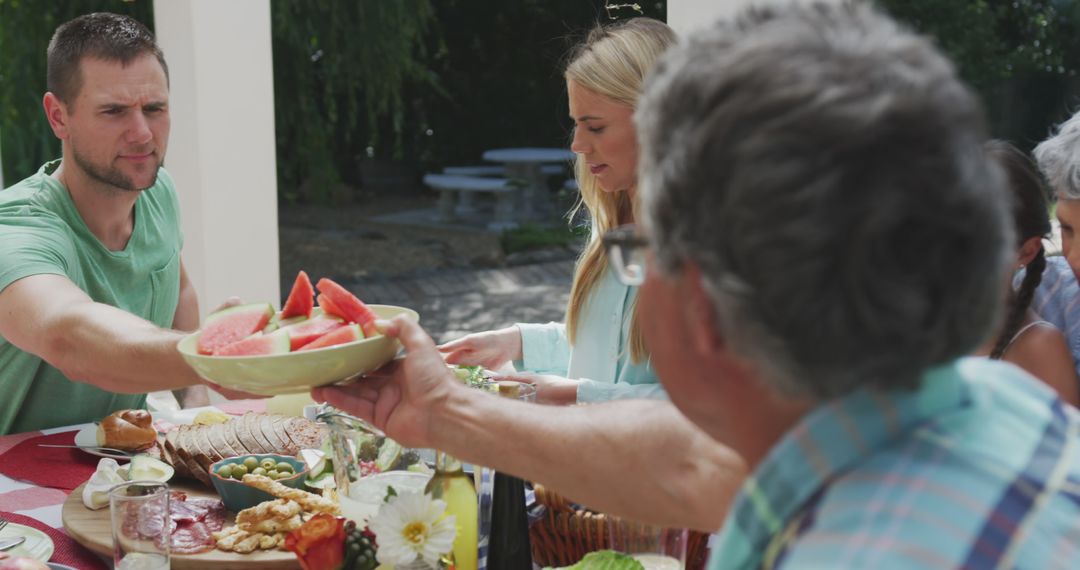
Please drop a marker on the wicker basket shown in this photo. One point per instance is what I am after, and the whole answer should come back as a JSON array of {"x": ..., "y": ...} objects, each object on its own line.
[{"x": 565, "y": 534}]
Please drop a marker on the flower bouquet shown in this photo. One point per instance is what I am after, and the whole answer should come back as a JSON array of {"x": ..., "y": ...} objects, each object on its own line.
[{"x": 410, "y": 531}]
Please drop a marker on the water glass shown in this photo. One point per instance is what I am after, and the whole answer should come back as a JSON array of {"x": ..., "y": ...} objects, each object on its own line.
[
  {"x": 141, "y": 527},
  {"x": 656, "y": 548}
]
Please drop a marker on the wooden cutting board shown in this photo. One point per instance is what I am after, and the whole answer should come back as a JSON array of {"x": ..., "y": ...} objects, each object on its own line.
[{"x": 91, "y": 529}]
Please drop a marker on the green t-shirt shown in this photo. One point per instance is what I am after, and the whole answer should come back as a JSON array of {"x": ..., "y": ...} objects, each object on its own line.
[{"x": 41, "y": 232}]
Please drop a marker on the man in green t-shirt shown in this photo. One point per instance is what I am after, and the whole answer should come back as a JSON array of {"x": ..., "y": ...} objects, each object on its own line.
[{"x": 93, "y": 292}]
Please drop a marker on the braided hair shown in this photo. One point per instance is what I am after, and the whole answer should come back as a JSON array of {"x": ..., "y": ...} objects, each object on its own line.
[{"x": 1031, "y": 217}]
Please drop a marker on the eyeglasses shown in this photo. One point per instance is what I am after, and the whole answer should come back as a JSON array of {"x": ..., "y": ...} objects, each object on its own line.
[{"x": 626, "y": 251}]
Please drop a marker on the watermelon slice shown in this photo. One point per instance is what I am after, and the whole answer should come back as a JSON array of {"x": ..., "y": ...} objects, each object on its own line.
[
  {"x": 301, "y": 299},
  {"x": 276, "y": 322},
  {"x": 347, "y": 333},
  {"x": 329, "y": 308},
  {"x": 354, "y": 310},
  {"x": 232, "y": 324},
  {"x": 257, "y": 344},
  {"x": 311, "y": 329}
]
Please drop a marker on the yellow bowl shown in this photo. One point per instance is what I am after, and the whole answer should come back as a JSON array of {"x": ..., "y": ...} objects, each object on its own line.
[{"x": 295, "y": 372}]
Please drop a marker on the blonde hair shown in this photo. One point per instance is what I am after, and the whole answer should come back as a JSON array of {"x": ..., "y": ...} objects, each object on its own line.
[{"x": 612, "y": 62}]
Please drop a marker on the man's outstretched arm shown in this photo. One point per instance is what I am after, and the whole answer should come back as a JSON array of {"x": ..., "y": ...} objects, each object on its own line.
[
  {"x": 49, "y": 316},
  {"x": 639, "y": 459}
]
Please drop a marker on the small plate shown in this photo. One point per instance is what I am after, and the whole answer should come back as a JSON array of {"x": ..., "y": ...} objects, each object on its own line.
[
  {"x": 88, "y": 436},
  {"x": 38, "y": 545}
]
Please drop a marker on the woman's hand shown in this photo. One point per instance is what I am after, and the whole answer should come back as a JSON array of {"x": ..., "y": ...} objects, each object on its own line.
[
  {"x": 553, "y": 390},
  {"x": 490, "y": 349}
]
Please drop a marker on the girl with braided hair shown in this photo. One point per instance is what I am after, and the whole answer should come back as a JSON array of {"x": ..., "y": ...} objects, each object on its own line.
[{"x": 1032, "y": 344}]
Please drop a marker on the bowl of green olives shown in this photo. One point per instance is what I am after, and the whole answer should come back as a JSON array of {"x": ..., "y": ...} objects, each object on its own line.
[{"x": 228, "y": 473}]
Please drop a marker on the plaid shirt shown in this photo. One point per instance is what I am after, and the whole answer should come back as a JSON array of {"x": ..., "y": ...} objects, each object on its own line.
[
  {"x": 979, "y": 468},
  {"x": 1057, "y": 300}
]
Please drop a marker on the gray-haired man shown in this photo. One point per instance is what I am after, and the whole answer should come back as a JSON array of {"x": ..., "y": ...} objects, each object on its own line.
[{"x": 823, "y": 230}]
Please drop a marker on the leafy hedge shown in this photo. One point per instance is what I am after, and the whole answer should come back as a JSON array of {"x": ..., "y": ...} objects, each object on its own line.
[
  {"x": 369, "y": 87},
  {"x": 26, "y": 26}
]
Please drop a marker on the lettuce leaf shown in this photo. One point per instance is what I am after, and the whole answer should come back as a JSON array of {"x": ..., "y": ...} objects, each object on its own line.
[{"x": 604, "y": 560}]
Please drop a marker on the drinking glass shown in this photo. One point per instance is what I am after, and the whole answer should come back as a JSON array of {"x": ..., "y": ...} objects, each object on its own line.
[
  {"x": 656, "y": 548},
  {"x": 362, "y": 490},
  {"x": 141, "y": 528}
]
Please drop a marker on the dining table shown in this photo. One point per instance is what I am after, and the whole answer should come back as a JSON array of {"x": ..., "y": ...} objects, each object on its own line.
[
  {"x": 36, "y": 481},
  {"x": 526, "y": 165}
]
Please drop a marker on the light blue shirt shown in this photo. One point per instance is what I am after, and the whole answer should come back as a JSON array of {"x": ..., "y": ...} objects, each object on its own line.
[
  {"x": 600, "y": 357},
  {"x": 978, "y": 468},
  {"x": 1057, "y": 300}
]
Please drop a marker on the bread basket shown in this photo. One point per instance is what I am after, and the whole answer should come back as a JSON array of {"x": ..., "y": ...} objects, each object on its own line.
[{"x": 567, "y": 532}]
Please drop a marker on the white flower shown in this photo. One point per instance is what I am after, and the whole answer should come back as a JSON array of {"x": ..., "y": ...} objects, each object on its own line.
[{"x": 412, "y": 525}]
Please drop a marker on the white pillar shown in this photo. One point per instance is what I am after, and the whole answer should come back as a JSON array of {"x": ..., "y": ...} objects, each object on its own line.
[
  {"x": 686, "y": 15},
  {"x": 221, "y": 151}
]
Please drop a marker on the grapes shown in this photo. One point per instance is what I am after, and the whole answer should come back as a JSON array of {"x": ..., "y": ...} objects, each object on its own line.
[{"x": 359, "y": 548}]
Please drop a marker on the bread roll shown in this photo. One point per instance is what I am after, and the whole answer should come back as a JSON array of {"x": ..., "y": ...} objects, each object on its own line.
[{"x": 130, "y": 430}]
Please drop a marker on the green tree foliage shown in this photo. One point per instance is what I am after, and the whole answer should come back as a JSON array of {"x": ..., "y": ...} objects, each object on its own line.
[
  {"x": 341, "y": 70},
  {"x": 454, "y": 78},
  {"x": 26, "y": 26},
  {"x": 500, "y": 65},
  {"x": 1020, "y": 55}
]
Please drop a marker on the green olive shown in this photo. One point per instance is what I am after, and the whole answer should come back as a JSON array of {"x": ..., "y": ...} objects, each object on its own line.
[
  {"x": 273, "y": 474},
  {"x": 250, "y": 463},
  {"x": 267, "y": 463},
  {"x": 258, "y": 471},
  {"x": 239, "y": 470},
  {"x": 283, "y": 475},
  {"x": 225, "y": 470},
  {"x": 286, "y": 467}
]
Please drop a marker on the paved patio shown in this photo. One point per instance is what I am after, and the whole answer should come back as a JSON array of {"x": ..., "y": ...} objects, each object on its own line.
[{"x": 456, "y": 302}]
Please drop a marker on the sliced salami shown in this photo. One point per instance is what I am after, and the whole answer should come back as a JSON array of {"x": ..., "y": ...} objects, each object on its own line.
[
  {"x": 192, "y": 538},
  {"x": 186, "y": 511},
  {"x": 193, "y": 521}
]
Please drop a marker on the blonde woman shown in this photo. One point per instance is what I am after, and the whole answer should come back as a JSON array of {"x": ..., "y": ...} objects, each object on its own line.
[{"x": 599, "y": 353}]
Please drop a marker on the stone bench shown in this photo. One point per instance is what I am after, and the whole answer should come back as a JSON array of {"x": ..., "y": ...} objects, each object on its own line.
[
  {"x": 499, "y": 171},
  {"x": 483, "y": 171},
  {"x": 456, "y": 194}
]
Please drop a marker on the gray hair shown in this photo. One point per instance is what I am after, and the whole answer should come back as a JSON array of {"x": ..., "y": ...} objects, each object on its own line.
[
  {"x": 1059, "y": 159},
  {"x": 824, "y": 168}
]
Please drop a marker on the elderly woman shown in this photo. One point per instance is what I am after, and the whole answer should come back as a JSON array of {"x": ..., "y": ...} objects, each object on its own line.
[{"x": 1057, "y": 299}]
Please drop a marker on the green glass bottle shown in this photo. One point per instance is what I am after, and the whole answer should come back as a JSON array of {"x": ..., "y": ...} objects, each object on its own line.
[{"x": 452, "y": 485}]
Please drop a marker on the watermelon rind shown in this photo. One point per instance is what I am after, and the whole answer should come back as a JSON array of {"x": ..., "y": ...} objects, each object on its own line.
[{"x": 276, "y": 322}]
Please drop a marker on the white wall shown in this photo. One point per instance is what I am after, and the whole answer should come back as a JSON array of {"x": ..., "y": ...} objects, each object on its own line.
[
  {"x": 221, "y": 150},
  {"x": 686, "y": 15}
]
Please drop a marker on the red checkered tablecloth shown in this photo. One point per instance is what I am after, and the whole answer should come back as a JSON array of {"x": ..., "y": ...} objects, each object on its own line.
[{"x": 35, "y": 482}]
